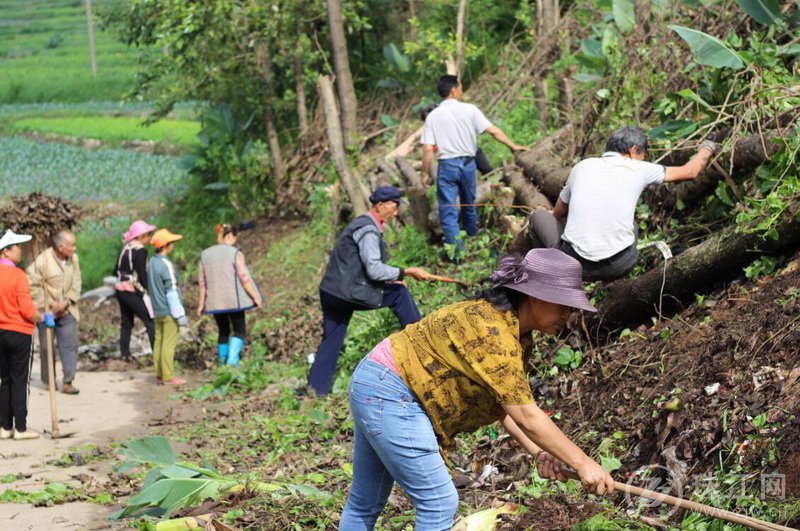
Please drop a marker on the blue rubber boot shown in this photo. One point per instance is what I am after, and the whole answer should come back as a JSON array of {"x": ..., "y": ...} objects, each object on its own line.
[
  {"x": 236, "y": 345},
  {"x": 222, "y": 352}
]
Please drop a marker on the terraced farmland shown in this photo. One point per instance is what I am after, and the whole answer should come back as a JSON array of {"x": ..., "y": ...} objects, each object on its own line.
[{"x": 44, "y": 50}]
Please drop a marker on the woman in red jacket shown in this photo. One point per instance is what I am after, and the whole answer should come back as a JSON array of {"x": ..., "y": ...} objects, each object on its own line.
[{"x": 17, "y": 316}]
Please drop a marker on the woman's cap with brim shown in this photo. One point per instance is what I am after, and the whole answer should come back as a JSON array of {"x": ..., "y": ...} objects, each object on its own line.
[
  {"x": 163, "y": 237},
  {"x": 546, "y": 274},
  {"x": 11, "y": 238}
]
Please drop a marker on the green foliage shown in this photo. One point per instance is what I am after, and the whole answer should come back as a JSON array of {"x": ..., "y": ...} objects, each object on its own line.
[
  {"x": 52, "y": 493},
  {"x": 568, "y": 358},
  {"x": 766, "y": 265},
  {"x": 708, "y": 50},
  {"x": 624, "y": 14},
  {"x": 226, "y": 159},
  {"x": 99, "y": 244},
  {"x": 766, "y": 12}
]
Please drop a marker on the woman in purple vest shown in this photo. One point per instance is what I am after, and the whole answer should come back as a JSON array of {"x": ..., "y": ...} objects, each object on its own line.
[{"x": 226, "y": 291}]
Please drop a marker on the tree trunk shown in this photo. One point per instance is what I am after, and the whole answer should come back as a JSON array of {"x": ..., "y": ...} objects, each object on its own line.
[
  {"x": 417, "y": 195},
  {"x": 544, "y": 170},
  {"x": 462, "y": 15},
  {"x": 265, "y": 66},
  {"x": 565, "y": 97},
  {"x": 526, "y": 193},
  {"x": 540, "y": 94},
  {"x": 548, "y": 16},
  {"x": 407, "y": 146},
  {"x": 336, "y": 143},
  {"x": 746, "y": 155},
  {"x": 275, "y": 148},
  {"x": 412, "y": 15},
  {"x": 341, "y": 65},
  {"x": 300, "y": 91},
  {"x": 629, "y": 302}
]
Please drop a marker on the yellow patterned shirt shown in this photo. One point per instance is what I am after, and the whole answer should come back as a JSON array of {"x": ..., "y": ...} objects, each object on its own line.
[{"x": 463, "y": 362}]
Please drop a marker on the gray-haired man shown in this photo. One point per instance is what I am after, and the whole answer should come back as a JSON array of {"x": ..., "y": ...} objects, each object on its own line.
[
  {"x": 55, "y": 277},
  {"x": 593, "y": 219}
]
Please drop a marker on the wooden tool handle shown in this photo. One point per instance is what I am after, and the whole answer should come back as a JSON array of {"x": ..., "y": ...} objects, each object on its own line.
[
  {"x": 51, "y": 382},
  {"x": 714, "y": 512}
]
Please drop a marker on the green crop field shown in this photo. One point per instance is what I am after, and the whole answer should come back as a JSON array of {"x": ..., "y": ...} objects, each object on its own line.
[
  {"x": 44, "y": 51},
  {"x": 113, "y": 129},
  {"x": 86, "y": 175}
]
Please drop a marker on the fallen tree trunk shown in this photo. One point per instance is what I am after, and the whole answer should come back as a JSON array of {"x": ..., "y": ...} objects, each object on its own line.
[
  {"x": 746, "y": 155},
  {"x": 543, "y": 167},
  {"x": 526, "y": 193},
  {"x": 407, "y": 146},
  {"x": 417, "y": 195},
  {"x": 634, "y": 301}
]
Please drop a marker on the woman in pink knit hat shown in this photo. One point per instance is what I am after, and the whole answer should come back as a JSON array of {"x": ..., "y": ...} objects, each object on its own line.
[{"x": 131, "y": 286}]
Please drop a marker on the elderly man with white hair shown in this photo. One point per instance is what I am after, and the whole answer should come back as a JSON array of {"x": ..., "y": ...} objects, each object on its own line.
[{"x": 55, "y": 277}]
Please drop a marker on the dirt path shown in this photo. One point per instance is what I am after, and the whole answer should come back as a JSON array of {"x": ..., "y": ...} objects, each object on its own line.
[{"x": 111, "y": 407}]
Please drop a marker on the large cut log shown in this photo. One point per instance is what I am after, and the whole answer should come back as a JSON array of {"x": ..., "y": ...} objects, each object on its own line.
[
  {"x": 407, "y": 146},
  {"x": 543, "y": 166},
  {"x": 526, "y": 193},
  {"x": 746, "y": 154},
  {"x": 417, "y": 195},
  {"x": 634, "y": 301}
]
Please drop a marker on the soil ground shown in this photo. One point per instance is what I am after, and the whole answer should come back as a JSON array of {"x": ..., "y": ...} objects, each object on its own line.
[{"x": 111, "y": 407}]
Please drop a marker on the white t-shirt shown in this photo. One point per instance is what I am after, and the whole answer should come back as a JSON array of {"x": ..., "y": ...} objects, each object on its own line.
[
  {"x": 454, "y": 127},
  {"x": 602, "y": 193}
]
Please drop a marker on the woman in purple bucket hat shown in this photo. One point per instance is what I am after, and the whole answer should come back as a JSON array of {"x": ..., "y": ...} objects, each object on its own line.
[
  {"x": 131, "y": 286},
  {"x": 457, "y": 369}
]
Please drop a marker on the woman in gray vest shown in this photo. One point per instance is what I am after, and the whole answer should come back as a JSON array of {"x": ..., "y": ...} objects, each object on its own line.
[{"x": 226, "y": 291}]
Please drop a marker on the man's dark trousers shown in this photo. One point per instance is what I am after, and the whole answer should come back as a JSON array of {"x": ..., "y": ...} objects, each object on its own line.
[{"x": 336, "y": 314}]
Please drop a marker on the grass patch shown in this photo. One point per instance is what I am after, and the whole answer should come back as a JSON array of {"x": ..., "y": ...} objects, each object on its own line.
[{"x": 114, "y": 129}]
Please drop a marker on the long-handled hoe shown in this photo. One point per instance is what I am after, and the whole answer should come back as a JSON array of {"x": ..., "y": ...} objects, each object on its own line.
[
  {"x": 51, "y": 384},
  {"x": 728, "y": 516}
]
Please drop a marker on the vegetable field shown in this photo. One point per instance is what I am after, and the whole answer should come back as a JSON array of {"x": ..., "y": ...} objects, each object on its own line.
[{"x": 84, "y": 175}]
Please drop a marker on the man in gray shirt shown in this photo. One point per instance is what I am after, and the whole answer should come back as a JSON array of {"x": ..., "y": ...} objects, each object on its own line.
[
  {"x": 452, "y": 130},
  {"x": 593, "y": 219}
]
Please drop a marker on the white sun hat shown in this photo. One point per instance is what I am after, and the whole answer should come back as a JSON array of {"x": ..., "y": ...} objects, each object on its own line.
[{"x": 10, "y": 238}]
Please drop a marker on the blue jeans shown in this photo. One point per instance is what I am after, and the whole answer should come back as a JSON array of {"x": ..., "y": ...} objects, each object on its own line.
[
  {"x": 456, "y": 180},
  {"x": 336, "y": 314},
  {"x": 394, "y": 441}
]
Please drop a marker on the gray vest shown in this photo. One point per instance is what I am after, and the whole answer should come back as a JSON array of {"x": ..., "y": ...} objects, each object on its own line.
[
  {"x": 224, "y": 290},
  {"x": 346, "y": 277}
]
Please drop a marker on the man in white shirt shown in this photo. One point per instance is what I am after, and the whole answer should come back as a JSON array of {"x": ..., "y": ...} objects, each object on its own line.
[
  {"x": 454, "y": 127},
  {"x": 593, "y": 219}
]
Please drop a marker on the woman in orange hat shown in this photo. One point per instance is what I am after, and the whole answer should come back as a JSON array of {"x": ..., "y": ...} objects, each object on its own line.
[{"x": 165, "y": 292}]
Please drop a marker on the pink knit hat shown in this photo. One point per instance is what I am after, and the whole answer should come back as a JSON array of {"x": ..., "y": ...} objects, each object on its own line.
[{"x": 136, "y": 229}]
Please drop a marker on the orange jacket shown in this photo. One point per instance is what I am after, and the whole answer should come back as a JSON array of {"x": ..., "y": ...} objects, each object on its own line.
[{"x": 16, "y": 306}]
